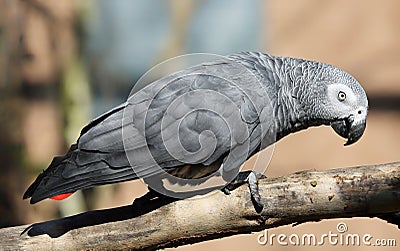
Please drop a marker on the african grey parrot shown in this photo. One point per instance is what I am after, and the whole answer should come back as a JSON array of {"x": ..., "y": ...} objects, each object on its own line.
[{"x": 207, "y": 118}]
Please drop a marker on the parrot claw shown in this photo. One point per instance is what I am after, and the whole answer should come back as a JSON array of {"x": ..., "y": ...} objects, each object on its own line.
[{"x": 251, "y": 178}]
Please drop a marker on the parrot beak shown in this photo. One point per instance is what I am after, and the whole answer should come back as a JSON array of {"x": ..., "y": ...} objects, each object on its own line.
[{"x": 349, "y": 129}]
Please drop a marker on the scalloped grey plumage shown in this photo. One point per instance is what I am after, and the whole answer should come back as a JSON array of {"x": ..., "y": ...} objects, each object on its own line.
[{"x": 290, "y": 95}]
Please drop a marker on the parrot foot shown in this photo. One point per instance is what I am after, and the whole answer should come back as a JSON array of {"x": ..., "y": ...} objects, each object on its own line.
[{"x": 251, "y": 178}]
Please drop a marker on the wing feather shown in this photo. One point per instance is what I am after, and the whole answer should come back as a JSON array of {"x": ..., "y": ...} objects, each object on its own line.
[{"x": 196, "y": 116}]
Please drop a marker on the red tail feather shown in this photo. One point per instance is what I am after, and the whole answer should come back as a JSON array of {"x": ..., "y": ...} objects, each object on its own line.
[{"x": 61, "y": 196}]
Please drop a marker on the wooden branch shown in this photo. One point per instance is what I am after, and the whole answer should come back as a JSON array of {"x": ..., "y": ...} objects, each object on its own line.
[{"x": 299, "y": 197}]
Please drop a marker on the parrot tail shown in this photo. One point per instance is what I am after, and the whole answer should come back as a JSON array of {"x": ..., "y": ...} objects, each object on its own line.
[{"x": 67, "y": 174}]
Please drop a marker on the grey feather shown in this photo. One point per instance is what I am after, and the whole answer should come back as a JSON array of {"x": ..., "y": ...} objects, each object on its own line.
[{"x": 222, "y": 111}]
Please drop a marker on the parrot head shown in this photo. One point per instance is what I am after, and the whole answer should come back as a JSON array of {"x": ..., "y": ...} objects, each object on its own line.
[
  {"x": 343, "y": 104},
  {"x": 351, "y": 112},
  {"x": 347, "y": 105}
]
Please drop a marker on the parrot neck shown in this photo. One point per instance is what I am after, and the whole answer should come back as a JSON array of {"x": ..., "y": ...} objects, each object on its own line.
[
  {"x": 285, "y": 80},
  {"x": 291, "y": 112},
  {"x": 292, "y": 119},
  {"x": 289, "y": 119}
]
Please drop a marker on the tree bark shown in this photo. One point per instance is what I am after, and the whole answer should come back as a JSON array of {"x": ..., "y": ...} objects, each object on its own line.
[{"x": 367, "y": 191}]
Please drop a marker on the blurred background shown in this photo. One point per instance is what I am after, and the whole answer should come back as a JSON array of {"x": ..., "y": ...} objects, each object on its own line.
[{"x": 64, "y": 62}]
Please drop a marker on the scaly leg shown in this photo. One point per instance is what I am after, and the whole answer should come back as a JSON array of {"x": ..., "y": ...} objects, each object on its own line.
[{"x": 251, "y": 178}]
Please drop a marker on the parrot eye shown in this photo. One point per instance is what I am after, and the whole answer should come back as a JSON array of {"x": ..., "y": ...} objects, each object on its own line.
[{"x": 341, "y": 96}]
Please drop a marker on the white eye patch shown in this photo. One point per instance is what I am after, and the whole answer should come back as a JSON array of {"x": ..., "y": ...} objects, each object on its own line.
[{"x": 340, "y": 93}]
